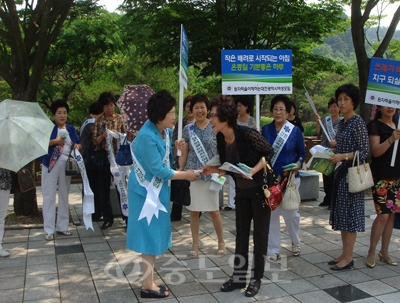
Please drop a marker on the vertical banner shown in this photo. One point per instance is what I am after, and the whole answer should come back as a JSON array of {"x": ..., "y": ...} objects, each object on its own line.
[
  {"x": 256, "y": 72},
  {"x": 183, "y": 77},
  {"x": 384, "y": 87}
]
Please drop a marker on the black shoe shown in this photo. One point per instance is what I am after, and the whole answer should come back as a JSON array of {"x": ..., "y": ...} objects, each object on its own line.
[
  {"x": 106, "y": 225},
  {"x": 348, "y": 266},
  {"x": 154, "y": 294},
  {"x": 230, "y": 285},
  {"x": 175, "y": 219},
  {"x": 332, "y": 262},
  {"x": 324, "y": 203},
  {"x": 228, "y": 208},
  {"x": 253, "y": 288}
]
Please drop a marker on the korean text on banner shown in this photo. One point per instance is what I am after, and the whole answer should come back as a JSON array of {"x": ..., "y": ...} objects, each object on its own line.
[
  {"x": 184, "y": 59},
  {"x": 256, "y": 72},
  {"x": 384, "y": 83}
]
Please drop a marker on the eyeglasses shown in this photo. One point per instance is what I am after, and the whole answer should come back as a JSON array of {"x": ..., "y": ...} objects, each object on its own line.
[
  {"x": 212, "y": 115},
  {"x": 276, "y": 110}
]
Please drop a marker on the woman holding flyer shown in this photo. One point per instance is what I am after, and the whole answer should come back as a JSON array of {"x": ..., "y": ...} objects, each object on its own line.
[
  {"x": 240, "y": 144},
  {"x": 382, "y": 134},
  {"x": 149, "y": 228},
  {"x": 288, "y": 144},
  {"x": 201, "y": 148},
  {"x": 331, "y": 125}
]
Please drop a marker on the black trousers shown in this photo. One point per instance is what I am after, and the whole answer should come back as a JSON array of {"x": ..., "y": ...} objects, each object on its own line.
[
  {"x": 104, "y": 180},
  {"x": 93, "y": 179},
  {"x": 328, "y": 186},
  {"x": 249, "y": 206}
]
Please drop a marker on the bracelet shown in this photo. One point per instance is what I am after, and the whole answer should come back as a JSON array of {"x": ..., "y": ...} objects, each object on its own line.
[{"x": 347, "y": 156}]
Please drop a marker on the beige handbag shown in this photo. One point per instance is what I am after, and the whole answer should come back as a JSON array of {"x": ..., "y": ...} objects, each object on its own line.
[
  {"x": 359, "y": 177},
  {"x": 291, "y": 197}
]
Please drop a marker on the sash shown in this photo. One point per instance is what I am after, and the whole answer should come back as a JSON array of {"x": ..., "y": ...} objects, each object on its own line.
[
  {"x": 119, "y": 178},
  {"x": 89, "y": 120},
  {"x": 329, "y": 127},
  {"x": 281, "y": 139},
  {"x": 88, "y": 197},
  {"x": 152, "y": 204},
  {"x": 198, "y": 146}
]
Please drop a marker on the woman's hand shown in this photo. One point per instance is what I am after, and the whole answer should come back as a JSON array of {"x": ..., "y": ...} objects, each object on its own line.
[
  {"x": 78, "y": 146},
  {"x": 317, "y": 117},
  {"x": 58, "y": 141},
  {"x": 395, "y": 135},
  {"x": 181, "y": 144},
  {"x": 191, "y": 175},
  {"x": 208, "y": 170},
  {"x": 332, "y": 143},
  {"x": 337, "y": 158}
]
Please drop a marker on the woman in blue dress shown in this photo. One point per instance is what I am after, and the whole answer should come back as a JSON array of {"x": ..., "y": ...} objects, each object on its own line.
[
  {"x": 149, "y": 228},
  {"x": 347, "y": 209}
]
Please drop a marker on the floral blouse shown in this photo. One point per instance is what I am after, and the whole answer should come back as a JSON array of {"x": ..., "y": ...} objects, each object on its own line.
[{"x": 5, "y": 179}]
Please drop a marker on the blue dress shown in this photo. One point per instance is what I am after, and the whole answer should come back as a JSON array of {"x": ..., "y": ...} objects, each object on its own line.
[{"x": 149, "y": 149}]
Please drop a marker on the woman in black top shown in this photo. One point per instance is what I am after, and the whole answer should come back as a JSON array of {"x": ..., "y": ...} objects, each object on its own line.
[
  {"x": 292, "y": 118},
  {"x": 382, "y": 134},
  {"x": 242, "y": 144}
]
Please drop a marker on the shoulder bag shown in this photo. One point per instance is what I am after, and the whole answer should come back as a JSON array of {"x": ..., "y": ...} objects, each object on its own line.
[
  {"x": 359, "y": 177},
  {"x": 180, "y": 192},
  {"x": 124, "y": 156},
  {"x": 291, "y": 198},
  {"x": 72, "y": 168},
  {"x": 272, "y": 187}
]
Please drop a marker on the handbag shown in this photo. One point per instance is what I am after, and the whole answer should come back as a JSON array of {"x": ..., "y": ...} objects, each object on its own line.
[
  {"x": 72, "y": 168},
  {"x": 180, "y": 192},
  {"x": 124, "y": 156},
  {"x": 359, "y": 177},
  {"x": 272, "y": 187},
  {"x": 291, "y": 198}
]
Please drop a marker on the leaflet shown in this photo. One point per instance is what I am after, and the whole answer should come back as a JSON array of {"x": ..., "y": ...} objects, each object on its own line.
[{"x": 233, "y": 168}]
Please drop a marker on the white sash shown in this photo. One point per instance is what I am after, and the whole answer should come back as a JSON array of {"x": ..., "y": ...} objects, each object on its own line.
[
  {"x": 329, "y": 127},
  {"x": 88, "y": 196},
  {"x": 152, "y": 205},
  {"x": 281, "y": 139},
  {"x": 198, "y": 146},
  {"x": 89, "y": 120},
  {"x": 119, "y": 178}
]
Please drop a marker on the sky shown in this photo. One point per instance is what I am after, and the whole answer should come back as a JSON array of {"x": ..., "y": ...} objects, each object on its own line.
[{"x": 111, "y": 5}]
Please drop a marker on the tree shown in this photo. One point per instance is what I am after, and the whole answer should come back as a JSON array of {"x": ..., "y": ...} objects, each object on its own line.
[
  {"x": 234, "y": 24},
  {"x": 26, "y": 35},
  {"x": 360, "y": 14}
]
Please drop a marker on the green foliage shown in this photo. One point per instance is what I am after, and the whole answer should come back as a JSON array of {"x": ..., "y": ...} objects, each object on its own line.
[
  {"x": 309, "y": 128},
  {"x": 5, "y": 91}
]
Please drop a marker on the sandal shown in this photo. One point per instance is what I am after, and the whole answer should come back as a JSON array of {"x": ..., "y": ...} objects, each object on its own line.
[
  {"x": 230, "y": 285},
  {"x": 296, "y": 250},
  {"x": 154, "y": 294},
  {"x": 49, "y": 237},
  {"x": 194, "y": 254},
  {"x": 273, "y": 257},
  {"x": 253, "y": 288},
  {"x": 221, "y": 252}
]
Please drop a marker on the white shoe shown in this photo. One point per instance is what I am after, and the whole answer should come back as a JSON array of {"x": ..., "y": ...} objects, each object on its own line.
[
  {"x": 273, "y": 257},
  {"x": 49, "y": 237},
  {"x": 3, "y": 253}
]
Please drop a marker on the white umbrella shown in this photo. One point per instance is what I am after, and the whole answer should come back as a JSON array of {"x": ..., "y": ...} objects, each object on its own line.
[{"x": 24, "y": 133}]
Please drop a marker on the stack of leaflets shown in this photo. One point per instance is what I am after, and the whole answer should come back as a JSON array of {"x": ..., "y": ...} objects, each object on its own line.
[
  {"x": 244, "y": 169},
  {"x": 320, "y": 162}
]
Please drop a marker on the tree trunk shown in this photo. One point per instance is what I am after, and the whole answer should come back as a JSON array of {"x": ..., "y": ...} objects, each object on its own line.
[{"x": 26, "y": 203}]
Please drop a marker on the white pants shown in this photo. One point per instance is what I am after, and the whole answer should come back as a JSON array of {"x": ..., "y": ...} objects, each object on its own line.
[
  {"x": 4, "y": 200},
  {"x": 292, "y": 221},
  {"x": 49, "y": 188},
  {"x": 232, "y": 192}
]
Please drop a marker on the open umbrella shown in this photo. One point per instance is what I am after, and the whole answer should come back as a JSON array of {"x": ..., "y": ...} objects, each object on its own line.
[
  {"x": 24, "y": 133},
  {"x": 133, "y": 106}
]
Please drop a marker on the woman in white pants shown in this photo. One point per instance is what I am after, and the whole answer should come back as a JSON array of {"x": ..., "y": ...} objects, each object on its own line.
[
  {"x": 5, "y": 186},
  {"x": 62, "y": 139},
  {"x": 288, "y": 143}
]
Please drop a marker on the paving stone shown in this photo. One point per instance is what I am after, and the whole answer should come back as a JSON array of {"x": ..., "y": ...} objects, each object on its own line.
[
  {"x": 12, "y": 295},
  {"x": 297, "y": 287},
  {"x": 121, "y": 296},
  {"x": 12, "y": 283},
  {"x": 316, "y": 297},
  {"x": 39, "y": 293},
  {"x": 42, "y": 280},
  {"x": 375, "y": 288}
]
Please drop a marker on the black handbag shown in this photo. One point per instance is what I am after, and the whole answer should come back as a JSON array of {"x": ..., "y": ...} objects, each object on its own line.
[
  {"x": 95, "y": 159},
  {"x": 72, "y": 168},
  {"x": 180, "y": 192},
  {"x": 124, "y": 156}
]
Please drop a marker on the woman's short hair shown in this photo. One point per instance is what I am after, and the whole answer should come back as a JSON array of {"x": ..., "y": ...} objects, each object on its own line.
[
  {"x": 226, "y": 109},
  {"x": 57, "y": 104},
  {"x": 293, "y": 105},
  {"x": 159, "y": 105},
  {"x": 199, "y": 98},
  {"x": 286, "y": 101},
  {"x": 350, "y": 90},
  {"x": 105, "y": 98},
  {"x": 246, "y": 101},
  {"x": 331, "y": 101},
  {"x": 95, "y": 108},
  {"x": 187, "y": 100}
]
